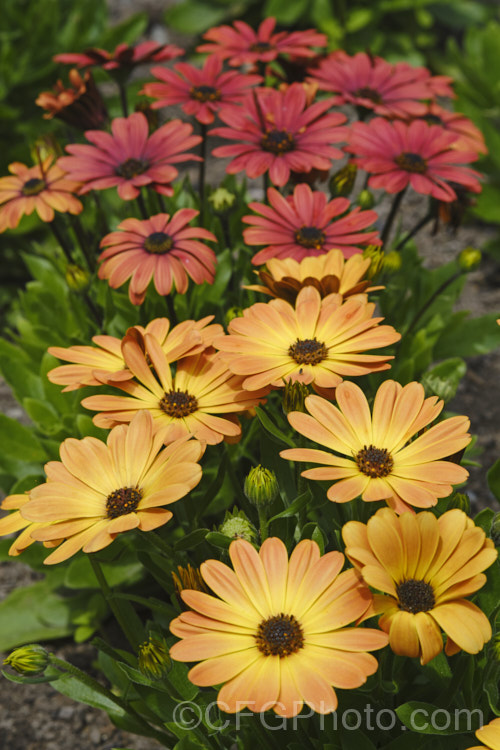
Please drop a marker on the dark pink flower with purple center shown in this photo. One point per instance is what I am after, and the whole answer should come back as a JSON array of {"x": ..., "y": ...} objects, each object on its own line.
[{"x": 124, "y": 56}]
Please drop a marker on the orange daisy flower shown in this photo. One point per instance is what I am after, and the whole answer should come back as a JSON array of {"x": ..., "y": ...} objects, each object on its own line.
[
  {"x": 318, "y": 341},
  {"x": 275, "y": 633},
  {"x": 96, "y": 365},
  {"x": 43, "y": 188},
  {"x": 425, "y": 567},
  {"x": 384, "y": 460},
  {"x": 489, "y": 735},
  {"x": 99, "y": 490},
  {"x": 330, "y": 273},
  {"x": 14, "y": 521},
  {"x": 201, "y": 399}
]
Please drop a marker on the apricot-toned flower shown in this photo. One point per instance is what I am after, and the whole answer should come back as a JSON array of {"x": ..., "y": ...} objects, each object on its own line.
[
  {"x": 280, "y": 131},
  {"x": 129, "y": 157},
  {"x": 425, "y": 567},
  {"x": 201, "y": 93},
  {"x": 397, "y": 154},
  {"x": 329, "y": 273},
  {"x": 468, "y": 136},
  {"x": 99, "y": 490},
  {"x": 390, "y": 90},
  {"x": 44, "y": 188},
  {"x": 306, "y": 224},
  {"x": 317, "y": 341},
  {"x": 240, "y": 44},
  {"x": 14, "y": 522},
  {"x": 104, "y": 362},
  {"x": 275, "y": 633},
  {"x": 380, "y": 456},
  {"x": 123, "y": 58},
  {"x": 489, "y": 735},
  {"x": 80, "y": 105},
  {"x": 163, "y": 248},
  {"x": 201, "y": 399}
]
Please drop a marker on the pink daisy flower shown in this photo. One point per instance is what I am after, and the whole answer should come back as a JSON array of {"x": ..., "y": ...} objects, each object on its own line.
[
  {"x": 373, "y": 83},
  {"x": 201, "y": 93},
  {"x": 124, "y": 56},
  {"x": 468, "y": 136},
  {"x": 397, "y": 154},
  {"x": 279, "y": 131},
  {"x": 240, "y": 44},
  {"x": 162, "y": 248},
  {"x": 306, "y": 224},
  {"x": 129, "y": 157}
]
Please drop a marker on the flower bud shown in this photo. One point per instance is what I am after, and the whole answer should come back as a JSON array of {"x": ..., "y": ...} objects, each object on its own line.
[
  {"x": 461, "y": 501},
  {"x": 469, "y": 259},
  {"x": 436, "y": 386},
  {"x": 28, "y": 660},
  {"x": 365, "y": 199},
  {"x": 495, "y": 530},
  {"x": 392, "y": 261},
  {"x": 342, "y": 182},
  {"x": 78, "y": 279},
  {"x": 261, "y": 486},
  {"x": 236, "y": 525},
  {"x": 377, "y": 257},
  {"x": 294, "y": 395},
  {"x": 233, "y": 312},
  {"x": 45, "y": 146},
  {"x": 153, "y": 659},
  {"x": 221, "y": 200},
  {"x": 188, "y": 578}
]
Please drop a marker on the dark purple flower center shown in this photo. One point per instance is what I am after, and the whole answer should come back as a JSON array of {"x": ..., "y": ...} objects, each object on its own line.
[
  {"x": 431, "y": 119},
  {"x": 415, "y": 596},
  {"x": 411, "y": 162},
  {"x": 310, "y": 237},
  {"x": 122, "y": 501},
  {"x": 278, "y": 142},
  {"x": 279, "y": 636},
  {"x": 308, "y": 351},
  {"x": 368, "y": 93},
  {"x": 205, "y": 93},
  {"x": 131, "y": 168},
  {"x": 374, "y": 462},
  {"x": 158, "y": 243},
  {"x": 261, "y": 47},
  {"x": 33, "y": 186},
  {"x": 178, "y": 404}
]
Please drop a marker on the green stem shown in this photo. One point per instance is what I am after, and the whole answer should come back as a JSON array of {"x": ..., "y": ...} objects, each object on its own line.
[
  {"x": 202, "y": 173},
  {"x": 101, "y": 216},
  {"x": 61, "y": 240},
  {"x": 433, "y": 298},
  {"x": 142, "y": 206},
  {"x": 262, "y": 522},
  {"x": 161, "y": 203},
  {"x": 113, "y": 603},
  {"x": 391, "y": 216},
  {"x": 82, "y": 241},
  {"x": 160, "y": 544},
  {"x": 123, "y": 98},
  {"x": 418, "y": 226},
  {"x": 172, "y": 315}
]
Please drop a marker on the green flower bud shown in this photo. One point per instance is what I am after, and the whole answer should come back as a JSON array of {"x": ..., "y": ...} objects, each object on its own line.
[
  {"x": 365, "y": 199},
  {"x": 469, "y": 259},
  {"x": 153, "y": 659},
  {"x": 461, "y": 501},
  {"x": 78, "y": 279},
  {"x": 188, "y": 578},
  {"x": 495, "y": 530},
  {"x": 29, "y": 660},
  {"x": 377, "y": 256},
  {"x": 261, "y": 486},
  {"x": 342, "y": 182},
  {"x": 232, "y": 313},
  {"x": 236, "y": 525},
  {"x": 436, "y": 386},
  {"x": 45, "y": 146},
  {"x": 294, "y": 396},
  {"x": 222, "y": 200},
  {"x": 392, "y": 261}
]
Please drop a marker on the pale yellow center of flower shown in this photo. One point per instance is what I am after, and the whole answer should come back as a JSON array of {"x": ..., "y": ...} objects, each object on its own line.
[
  {"x": 205, "y": 93},
  {"x": 131, "y": 168},
  {"x": 178, "y": 404},
  {"x": 374, "y": 462},
  {"x": 308, "y": 351},
  {"x": 310, "y": 237},
  {"x": 158, "y": 243},
  {"x": 278, "y": 142},
  {"x": 33, "y": 186},
  {"x": 280, "y": 636},
  {"x": 411, "y": 162},
  {"x": 122, "y": 501},
  {"x": 415, "y": 596}
]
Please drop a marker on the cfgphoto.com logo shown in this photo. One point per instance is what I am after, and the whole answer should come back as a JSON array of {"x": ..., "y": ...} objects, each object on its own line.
[{"x": 189, "y": 715}]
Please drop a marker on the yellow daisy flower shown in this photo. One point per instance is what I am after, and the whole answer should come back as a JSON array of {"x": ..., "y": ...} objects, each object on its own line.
[
  {"x": 425, "y": 567},
  {"x": 317, "y": 341},
  {"x": 380, "y": 456},
  {"x": 14, "y": 521},
  {"x": 99, "y": 490},
  {"x": 489, "y": 735},
  {"x": 275, "y": 633}
]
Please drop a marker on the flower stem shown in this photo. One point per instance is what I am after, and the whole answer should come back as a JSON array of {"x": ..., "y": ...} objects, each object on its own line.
[
  {"x": 61, "y": 239},
  {"x": 142, "y": 206},
  {"x": 418, "y": 226},
  {"x": 202, "y": 173},
  {"x": 160, "y": 544},
  {"x": 262, "y": 523},
  {"x": 433, "y": 298},
  {"x": 391, "y": 216},
  {"x": 171, "y": 309},
  {"x": 82, "y": 241},
  {"x": 123, "y": 98},
  {"x": 115, "y": 606}
]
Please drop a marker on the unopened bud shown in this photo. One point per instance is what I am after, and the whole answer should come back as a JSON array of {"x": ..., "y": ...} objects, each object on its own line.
[
  {"x": 377, "y": 257},
  {"x": 78, "y": 279},
  {"x": 294, "y": 396},
  {"x": 236, "y": 525},
  {"x": 436, "y": 386},
  {"x": 469, "y": 259},
  {"x": 495, "y": 530},
  {"x": 342, "y": 182},
  {"x": 232, "y": 313},
  {"x": 45, "y": 146},
  {"x": 261, "y": 486},
  {"x": 29, "y": 660},
  {"x": 392, "y": 261},
  {"x": 153, "y": 659},
  {"x": 188, "y": 578},
  {"x": 221, "y": 200},
  {"x": 365, "y": 199},
  {"x": 461, "y": 501}
]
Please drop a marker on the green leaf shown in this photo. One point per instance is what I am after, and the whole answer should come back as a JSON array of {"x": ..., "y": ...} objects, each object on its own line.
[
  {"x": 286, "y": 13},
  {"x": 272, "y": 429},
  {"x": 468, "y": 337},
  {"x": 43, "y": 415},
  {"x": 493, "y": 477},
  {"x": 194, "y": 17},
  {"x": 80, "y": 574},
  {"x": 192, "y": 540},
  {"x": 18, "y": 442},
  {"x": 218, "y": 540},
  {"x": 31, "y": 614},
  {"x": 484, "y": 519},
  {"x": 424, "y": 718}
]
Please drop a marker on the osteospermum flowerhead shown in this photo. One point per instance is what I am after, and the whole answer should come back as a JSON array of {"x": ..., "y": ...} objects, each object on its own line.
[
  {"x": 380, "y": 455},
  {"x": 44, "y": 188},
  {"x": 99, "y": 490},
  {"x": 397, "y": 154},
  {"x": 489, "y": 736},
  {"x": 240, "y": 44},
  {"x": 80, "y": 105},
  {"x": 201, "y": 93},
  {"x": 279, "y": 131},
  {"x": 163, "y": 248},
  {"x": 316, "y": 342},
  {"x": 306, "y": 224},
  {"x": 14, "y": 522},
  {"x": 276, "y": 634},
  {"x": 425, "y": 567},
  {"x": 123, "y": 58},
  {"x": 129, "y": 158},
  {"x": 468, "y": 136}
]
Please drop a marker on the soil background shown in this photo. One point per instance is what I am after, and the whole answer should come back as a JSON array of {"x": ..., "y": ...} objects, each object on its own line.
[{"x": 36, "y": 717}]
